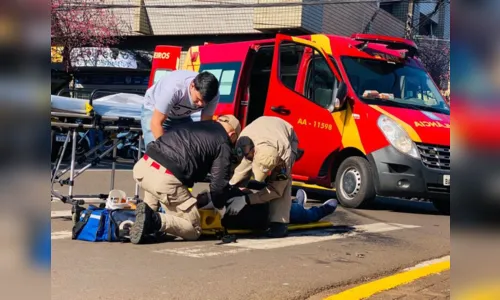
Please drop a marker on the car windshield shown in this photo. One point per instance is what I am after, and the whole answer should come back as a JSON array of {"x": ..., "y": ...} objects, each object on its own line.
[{"x": 388, "y": 83}]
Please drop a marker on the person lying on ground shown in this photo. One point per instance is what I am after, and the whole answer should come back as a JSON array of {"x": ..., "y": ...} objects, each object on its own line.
[
  {"x": 173, "y": 163},
  {"x": 298, "y": 213}
]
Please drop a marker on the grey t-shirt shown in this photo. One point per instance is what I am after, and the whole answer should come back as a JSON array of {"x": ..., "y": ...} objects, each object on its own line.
[{"x": 170, "y": 95}]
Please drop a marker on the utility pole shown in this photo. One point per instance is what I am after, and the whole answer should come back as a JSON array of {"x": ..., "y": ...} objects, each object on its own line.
[{"x": 409, "y": 20}]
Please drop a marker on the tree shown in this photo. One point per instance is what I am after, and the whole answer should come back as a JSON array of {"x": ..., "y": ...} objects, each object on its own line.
[
  {"x": 78, "y": 23},
  {"x": 435, "y": 55}
]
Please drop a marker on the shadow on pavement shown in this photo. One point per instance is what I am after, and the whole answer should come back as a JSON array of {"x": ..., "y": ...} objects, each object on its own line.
[
  {"x": 339, "y": 229},
  {"x": 403, "y": 206},
  {"x": 161, "y": 238},
  {"x": 380, "y": 204}
]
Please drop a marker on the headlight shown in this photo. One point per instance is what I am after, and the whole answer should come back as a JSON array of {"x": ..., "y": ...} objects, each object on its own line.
[{"x": 397, "y": 136}]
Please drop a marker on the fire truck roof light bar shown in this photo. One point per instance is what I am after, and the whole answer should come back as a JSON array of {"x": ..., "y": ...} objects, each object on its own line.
[{"x": 394, "y": 43}]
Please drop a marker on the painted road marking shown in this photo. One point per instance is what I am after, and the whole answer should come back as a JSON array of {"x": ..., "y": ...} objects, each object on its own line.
[
  {"x": 295, "y": 238},
  {"x": 309, "y": 237},
  {"x": 60, "y": 214},
  {"x": 478, "y": 290},
  {"x": 428, "y": 263},
  {"x": 200, "y": 251},
  {"x": 59, "y": 235},
  {"x": 369, "y": 289}
]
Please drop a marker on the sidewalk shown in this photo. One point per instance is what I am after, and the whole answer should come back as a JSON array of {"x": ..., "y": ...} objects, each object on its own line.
[
  {"x": 435, "y": 286},
  {"x": 426, "y": 280}
]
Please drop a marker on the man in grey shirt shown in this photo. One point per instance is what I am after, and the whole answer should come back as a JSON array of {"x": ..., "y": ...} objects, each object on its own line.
[{"x": 174, "y": 98}]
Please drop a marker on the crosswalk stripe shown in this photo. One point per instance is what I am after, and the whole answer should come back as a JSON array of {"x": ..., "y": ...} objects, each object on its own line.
[
  {"x": 301, "y": 238},
  {"x": 295, "y": 238},
  {"x": 60, "y": 213},
  {"x": 59, "y": 235},
  {"x": 200, "y": 251}
]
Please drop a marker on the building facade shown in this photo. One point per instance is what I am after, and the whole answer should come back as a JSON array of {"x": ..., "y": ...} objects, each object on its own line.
[
  {"x": 430, "y": 18},
  {"x": 188, "y": 20}
]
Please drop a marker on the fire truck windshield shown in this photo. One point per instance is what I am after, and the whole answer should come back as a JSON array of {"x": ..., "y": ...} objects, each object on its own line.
[{"x": 384, "y": 82}]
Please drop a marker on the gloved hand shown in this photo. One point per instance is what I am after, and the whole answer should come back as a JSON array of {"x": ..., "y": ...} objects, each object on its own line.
[
  {"x": 203, "y": 199},
  {"x": 236, "y": 204},
  {"x": 221, "y": 211}
]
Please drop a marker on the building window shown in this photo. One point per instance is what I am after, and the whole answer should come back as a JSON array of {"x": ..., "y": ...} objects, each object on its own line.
[
  {"x": 427, "y": 26},
  {"x": 388, "y": 7}
]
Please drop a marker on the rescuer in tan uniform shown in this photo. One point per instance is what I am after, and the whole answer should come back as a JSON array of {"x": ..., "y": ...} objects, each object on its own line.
[{"x": 268, "y": 148}]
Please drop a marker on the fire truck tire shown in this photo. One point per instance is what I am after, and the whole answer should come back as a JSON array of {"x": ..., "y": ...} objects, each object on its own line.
[
  {"x": 442, "y": 206},
  {"x": 354, "y": 183}
]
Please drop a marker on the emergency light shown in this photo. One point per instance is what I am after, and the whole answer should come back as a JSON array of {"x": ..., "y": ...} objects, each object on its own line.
[{"x": 393, "y": 43}]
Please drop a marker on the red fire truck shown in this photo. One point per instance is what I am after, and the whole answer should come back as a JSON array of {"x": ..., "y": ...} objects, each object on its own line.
[{"x": 369, "y": 118}]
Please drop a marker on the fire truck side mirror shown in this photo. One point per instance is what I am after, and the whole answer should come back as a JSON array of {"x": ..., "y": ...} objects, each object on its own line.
[{"x": 339, "y": 97}]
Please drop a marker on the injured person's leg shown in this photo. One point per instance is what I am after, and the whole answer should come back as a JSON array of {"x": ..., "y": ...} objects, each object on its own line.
[
  {"x": 298, "y": 213},
  {"x": 301, "y": 215}
]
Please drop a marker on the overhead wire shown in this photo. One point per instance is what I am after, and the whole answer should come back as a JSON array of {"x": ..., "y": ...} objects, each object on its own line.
[{"x": 223, "y": 4}]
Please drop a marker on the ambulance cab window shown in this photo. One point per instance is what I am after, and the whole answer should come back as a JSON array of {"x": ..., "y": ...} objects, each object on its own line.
[
  {"x": 316, "y": 84},
  {"x": 227, "y": 74},
  {"x": 289, "y": 63},
  {"x": 320, "y": 82},
  {"x": 159, "y": 73}
]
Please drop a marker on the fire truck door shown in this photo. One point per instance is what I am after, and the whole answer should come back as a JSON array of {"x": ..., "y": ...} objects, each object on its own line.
[{"x": 302, "y": 86}]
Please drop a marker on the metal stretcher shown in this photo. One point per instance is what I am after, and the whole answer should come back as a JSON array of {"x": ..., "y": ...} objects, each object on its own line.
[{"x": 116, "y": 116}]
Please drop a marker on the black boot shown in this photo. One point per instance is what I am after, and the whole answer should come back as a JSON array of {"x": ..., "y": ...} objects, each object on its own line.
[
  {"x": 146, "y": 223},
  {"x": 277, "y": 230}
]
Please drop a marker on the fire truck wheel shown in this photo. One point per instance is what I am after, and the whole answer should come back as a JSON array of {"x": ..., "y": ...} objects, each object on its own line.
[{"x": 354, "y": 183}]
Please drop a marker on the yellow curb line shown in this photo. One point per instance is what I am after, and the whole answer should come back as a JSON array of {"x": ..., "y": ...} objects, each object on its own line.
[
  {"x": 486, "y": 291},
  {"x": 369, "y": 289}
]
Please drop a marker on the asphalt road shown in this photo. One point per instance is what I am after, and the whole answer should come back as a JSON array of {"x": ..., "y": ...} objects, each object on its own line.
[{"x": 392, "y": 235}]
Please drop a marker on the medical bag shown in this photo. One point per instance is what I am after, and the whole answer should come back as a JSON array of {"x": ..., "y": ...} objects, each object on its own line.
[{"x": 103, "y": 224}]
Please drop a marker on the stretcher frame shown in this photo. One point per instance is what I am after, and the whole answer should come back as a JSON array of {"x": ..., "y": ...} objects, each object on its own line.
[
  {"x": 78, "y": 122},
  {"x": 211, "y": 225}
]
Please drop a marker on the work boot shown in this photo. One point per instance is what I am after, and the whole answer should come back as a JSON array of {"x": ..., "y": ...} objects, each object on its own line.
[
  {"x": 277, "y": 230},
  {"x": 146, "y": 223}
]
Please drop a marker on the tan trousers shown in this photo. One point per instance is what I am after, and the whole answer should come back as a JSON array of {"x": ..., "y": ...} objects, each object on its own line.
[
  {"x": 278, "y": 193},
  {"x": 181, "y": 217}
]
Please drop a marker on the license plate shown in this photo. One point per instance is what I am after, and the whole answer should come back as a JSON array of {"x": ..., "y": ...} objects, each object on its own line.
[
  {"x": 60, "y": 138},
  {"x": 446, "y": 180}
]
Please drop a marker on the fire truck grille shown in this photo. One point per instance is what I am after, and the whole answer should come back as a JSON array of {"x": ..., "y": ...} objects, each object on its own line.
[{"x": 434, "y": 156}]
